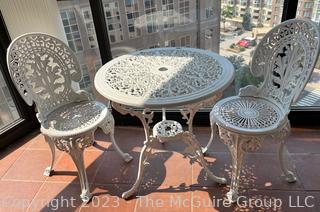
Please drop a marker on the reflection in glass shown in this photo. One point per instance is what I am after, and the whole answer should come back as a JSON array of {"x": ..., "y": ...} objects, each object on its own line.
[
  {"x": 81, "y": 37},
  {"x": 141, "y": 24},
  {"x": 311, "y": 94},
  {"x": 8, "y": 110}
]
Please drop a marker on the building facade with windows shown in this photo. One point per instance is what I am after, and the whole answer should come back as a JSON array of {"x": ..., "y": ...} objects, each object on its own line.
[
  {"x": 263, "y": 12},
  {"x": 8, "y": 110},
  {"x": 139, "y": 24},
  {"x": 316, "y": 11},
  {"x": 305, "y": 8}
]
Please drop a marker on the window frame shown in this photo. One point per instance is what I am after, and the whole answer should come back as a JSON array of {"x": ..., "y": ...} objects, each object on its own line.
[{"x": 27, "y": 121}]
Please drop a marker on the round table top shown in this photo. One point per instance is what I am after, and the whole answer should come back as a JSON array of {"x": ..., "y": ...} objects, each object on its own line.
[{"x": 164, "y": 77}]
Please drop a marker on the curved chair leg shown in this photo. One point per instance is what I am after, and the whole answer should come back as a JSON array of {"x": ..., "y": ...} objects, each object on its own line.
[
  {"x": 48, "y": 171},
  {"x": 281, "y": 137},
  {"x": 237, "y": 155},
  {"x": 143, "y": 162},
  {"x": 290, "y": 177},
  {"x": 214, "y": 130},
  {"x": 108, "y": 128},
  {"x": 76, "y": 154}
]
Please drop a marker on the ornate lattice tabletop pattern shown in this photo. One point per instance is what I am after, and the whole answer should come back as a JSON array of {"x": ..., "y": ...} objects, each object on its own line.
[{"x": 165, "y": 78}]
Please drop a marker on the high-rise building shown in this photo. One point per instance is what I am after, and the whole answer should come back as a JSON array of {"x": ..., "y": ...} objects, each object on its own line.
[
  {"x": 316, "y": 11},
  {"x": 8, "y": 110},
  {"x": 140, "y": 24},
  {"x": 305, "y": 9},
  {"x": 263, "y": 12}
]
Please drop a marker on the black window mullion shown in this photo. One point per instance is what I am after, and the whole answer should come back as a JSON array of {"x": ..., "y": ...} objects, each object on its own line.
[
  {"x": 101, "y": 30},
  {"x": 289, "y": 9}
]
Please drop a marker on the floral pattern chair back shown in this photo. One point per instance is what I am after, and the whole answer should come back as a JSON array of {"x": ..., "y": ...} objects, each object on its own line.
[
  {"x": 43, "y": 69},
  {"x": 285, "y": 57}
]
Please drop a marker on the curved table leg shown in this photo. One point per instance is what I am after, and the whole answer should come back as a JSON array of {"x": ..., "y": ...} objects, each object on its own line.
[
  {"x": 145, "y": 118},
  {"x": 189, "y": 111},
  {"x": 143, "y": 162}
]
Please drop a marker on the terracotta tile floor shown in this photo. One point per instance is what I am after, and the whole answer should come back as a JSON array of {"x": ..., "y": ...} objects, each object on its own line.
[{"x": 170, "y": 183}]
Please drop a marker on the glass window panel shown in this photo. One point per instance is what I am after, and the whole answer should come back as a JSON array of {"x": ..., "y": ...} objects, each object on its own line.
[
  {"x": 63, "y": 15},
  {"x": 65, "y": 22},
  {"x": 178, "y": 23},
  {"x": 8, "y": 110},
  {"x": 76, "y": 35},
  {"x": 69, "y": 36},
  {"x": 72, "y": 21},
  {"x": 78, "y": 45},
  {"x": 71, "y": 45},
  {"x": 82, "y": 39},
  {"x": 74, "y": 28},
  {"x": 113, "y": 21},
  {"x": 310, "y": 97}
]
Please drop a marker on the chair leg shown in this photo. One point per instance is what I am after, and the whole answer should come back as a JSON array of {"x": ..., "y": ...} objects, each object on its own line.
[
  {"x": 76, "y": 154},
  {"x": 290, "y": 177},
  {"x": 214, "y": 130},
  {"x": 108, "y": 128},
  {"x": 281, "y": 137},
  {"x": 49, "y": 170},
  {"x": 237, "y": 155}
]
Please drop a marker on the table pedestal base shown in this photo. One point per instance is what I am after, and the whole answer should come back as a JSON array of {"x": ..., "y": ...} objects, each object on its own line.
[
  {"x": 193, "y": 151},
  {"x": 162, "y": 134}
]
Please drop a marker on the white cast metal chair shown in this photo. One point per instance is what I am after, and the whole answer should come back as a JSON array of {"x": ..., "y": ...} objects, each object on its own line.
[
  {"x": 285, "y": 57},
  {"x": 43, "y": 68}
]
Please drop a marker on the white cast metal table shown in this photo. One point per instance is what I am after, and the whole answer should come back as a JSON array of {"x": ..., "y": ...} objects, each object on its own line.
[{"x": 165, "y": 78}]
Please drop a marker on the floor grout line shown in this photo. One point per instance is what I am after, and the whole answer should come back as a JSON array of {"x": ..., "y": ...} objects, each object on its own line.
[
  {"x": 98, "y": 168},
  {"x": 56, "y": 161},
  {"x": 35, "y": 196},
  {"x": 6, "y": 172},
  {"x": 289, "y": 154}
]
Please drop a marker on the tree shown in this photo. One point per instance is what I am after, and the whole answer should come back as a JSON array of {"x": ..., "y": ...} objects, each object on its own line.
[
  {"x": 260, "y": 21},
  {"x": 246, "y": 20},
  {"x": 227, "y": 12},
  {"x": 243, "y": 75}
]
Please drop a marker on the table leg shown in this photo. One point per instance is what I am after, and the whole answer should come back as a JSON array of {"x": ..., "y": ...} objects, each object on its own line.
[
  {"x": 189, "y": 111},
  {"x": 143, "y": 162},
  {"x": 145, "y": 118}
]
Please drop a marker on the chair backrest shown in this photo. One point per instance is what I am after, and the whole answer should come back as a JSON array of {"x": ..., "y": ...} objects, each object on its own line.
[
  {"x": 285, "y": 57},
  {"x": 42, "y": 68}
]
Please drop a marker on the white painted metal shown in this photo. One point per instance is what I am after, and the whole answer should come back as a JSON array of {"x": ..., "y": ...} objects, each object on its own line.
[
  {"x": 42, "y": 69},
  {"x": 163, "y": 78},
  {"x": 285, "y": 57}
]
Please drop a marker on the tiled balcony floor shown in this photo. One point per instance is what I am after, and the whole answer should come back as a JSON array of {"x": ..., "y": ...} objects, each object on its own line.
[{"x": 171, "y": 183}]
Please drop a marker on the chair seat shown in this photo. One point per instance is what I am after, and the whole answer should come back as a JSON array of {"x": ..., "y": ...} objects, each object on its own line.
[
  {"x": 249, "y": 115},
  {"x": 74, "y": 118}
]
